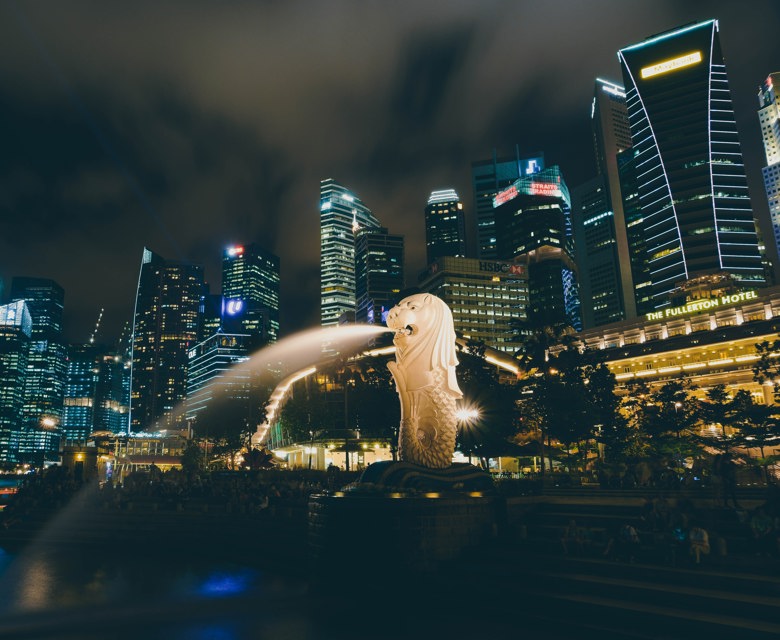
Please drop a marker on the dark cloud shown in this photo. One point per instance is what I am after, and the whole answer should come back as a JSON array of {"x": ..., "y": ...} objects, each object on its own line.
[{"x": 185, "y": 126}]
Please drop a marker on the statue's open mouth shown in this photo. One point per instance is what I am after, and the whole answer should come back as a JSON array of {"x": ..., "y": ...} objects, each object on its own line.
[{"x": 408, "y": 330}]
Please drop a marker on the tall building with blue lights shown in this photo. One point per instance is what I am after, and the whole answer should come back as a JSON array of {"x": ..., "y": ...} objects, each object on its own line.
[
  {"x": 445, "y": 226},
  {"x": 533, "y": 219},
  {"x": 342, "y": 215},
  {"x": 15, "y": 338},
  {"x": 250, "y": 292},
  {"x": 165, "y": 327},
  {"x": 697, "y": 215}
]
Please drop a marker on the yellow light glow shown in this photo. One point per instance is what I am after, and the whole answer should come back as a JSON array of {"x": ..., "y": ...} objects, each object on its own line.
[
  {"x": 672, "y": 64},
  {"x": 432, "y": 494}
]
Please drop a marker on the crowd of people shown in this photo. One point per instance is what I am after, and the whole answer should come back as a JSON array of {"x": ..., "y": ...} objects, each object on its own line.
[{"x": 675, "y": 532}]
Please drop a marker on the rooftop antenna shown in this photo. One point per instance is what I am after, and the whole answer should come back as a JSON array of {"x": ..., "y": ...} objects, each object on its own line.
[{"x": 97, "y": 326}]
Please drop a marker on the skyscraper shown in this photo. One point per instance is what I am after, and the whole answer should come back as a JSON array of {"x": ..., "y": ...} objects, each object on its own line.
[
  {"x": 445, "y": 226},
  {"x": 342, "y": 214},
  {"x": 15, "y": 332},
  {"x": 250, "y": 291},
  {"x": 697, "y": 216},
  {"x": 603, "y": 256},
  {"x": 78, "y": 415},
  {"x": 165, "y": 327},
  {"x": 769, "y": 119},
  {"x": 47, "y": 364},
  {"x": 533, "y": 220},
  {"x": 379, "y": 273},
  {"x": 488, "y": 177}
]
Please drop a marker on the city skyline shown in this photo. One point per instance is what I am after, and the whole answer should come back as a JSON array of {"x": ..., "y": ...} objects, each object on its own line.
[{"x": 211, "y": 127}]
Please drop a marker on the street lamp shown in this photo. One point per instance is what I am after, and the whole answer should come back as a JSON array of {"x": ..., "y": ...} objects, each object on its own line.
[{"x": 467, "y": 416}]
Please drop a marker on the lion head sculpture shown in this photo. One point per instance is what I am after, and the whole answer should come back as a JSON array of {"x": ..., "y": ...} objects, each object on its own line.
[{"x": 424, "y": 338}]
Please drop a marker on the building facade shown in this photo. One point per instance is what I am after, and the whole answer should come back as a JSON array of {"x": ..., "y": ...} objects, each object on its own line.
[
  {"x": 217, "y": 390},
  {"x": 697, "y": 216},
  {"x": 165, "y": 327},
  {"x": 342, "y": 214},
  {"x": 769, "y": 120},
  {"x": 15, "y": 339},
  {"x": 47, "y": 363},
  {"x": 445, "y": 226},
  {"x": 379, "y": 273},
  {"x": 488, "y": 298},
  {"x": 533, "y": 219},
  {"x": 601, "y": 235},
  {"x": 488, "y": 178},
  {"x": 250, "y": 289}
]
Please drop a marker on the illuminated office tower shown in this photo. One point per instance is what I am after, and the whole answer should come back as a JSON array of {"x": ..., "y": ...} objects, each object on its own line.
[
  {"x": 379, "y": 273},
  {"x": 78, "y": 414},
  {"x": 769, "y": 119},
  {"x": 601, "y": 239},
  {"x": 218, "y": 394},
  {"x": 488, "y": 177},
  {"x": 342, "y": 214},
  {"x": 15, "y": 333},
  {"x": 111, "y": 404},
  {"x": 165, "y": 327},
  {"x": 46, "y": 366},
  {"x": 445, "y": 226},
  {"x": 697, "y": 216},
  {"x": 488, "y": 298},
  {"x": 250, "y": 291},
  {"x": 533, "y": 217}
]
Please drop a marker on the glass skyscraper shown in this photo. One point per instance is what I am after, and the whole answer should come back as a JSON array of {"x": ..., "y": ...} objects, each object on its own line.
[
  {"x": 379, "y": 273},
  {"x": 533, "y": 220},
  {"x": 165, "y": 327},
  {"x": 47, "y": 364},
  {"x": 769, "y": 119},
  {"x": 342, "y": 215},
  {"x": 445, "y": 226},
  {"x": 488, "y": 178},
  {"x": 15, "y": 332},
  {"x": 697, "y": 216},
  {"x": 250, "y": 292}
]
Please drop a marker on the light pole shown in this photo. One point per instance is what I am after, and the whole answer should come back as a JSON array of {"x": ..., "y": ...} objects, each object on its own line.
[{"x": 467, "y": 416}]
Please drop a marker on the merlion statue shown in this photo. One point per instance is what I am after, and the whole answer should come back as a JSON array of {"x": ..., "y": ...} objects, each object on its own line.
[{"x": 424, "y": 373}]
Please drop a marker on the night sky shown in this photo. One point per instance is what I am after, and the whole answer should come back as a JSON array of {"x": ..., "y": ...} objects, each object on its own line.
[{"x": 187, "y": 126}]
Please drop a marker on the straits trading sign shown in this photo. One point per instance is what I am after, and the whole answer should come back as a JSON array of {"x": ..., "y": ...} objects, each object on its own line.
[{"x": 703, "y": 305}]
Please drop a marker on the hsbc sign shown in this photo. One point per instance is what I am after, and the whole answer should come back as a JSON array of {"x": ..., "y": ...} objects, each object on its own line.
[{"x": 501, "y": 267}]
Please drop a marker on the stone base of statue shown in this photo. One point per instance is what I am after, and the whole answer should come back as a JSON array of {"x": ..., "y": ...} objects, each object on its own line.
[{"x": 404, "y": 517}]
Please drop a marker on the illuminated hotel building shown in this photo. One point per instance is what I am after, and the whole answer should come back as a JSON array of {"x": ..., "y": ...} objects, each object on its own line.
[
  {"x": 78, "y": 415},
  {"x": 769, "y": 119},
  {"x": 379, "y": 273},
  {"x": 250, "y": 290},
  {"x": 165, "y": 327},
  {"x": 601, "y": 238},
  {"x": 445, "y": 226},
  {"x": 15, "y": 332},
  {"x": 342, "y": 213},
  {"x": 488, "y": 298},
  {"x": 488, "y": 177},
  {"x": 533, "y": 217},
  {"x": 47, "y": 363},
  {"x": 697, "y": 216},
  {"x": 707, "y": 342}
]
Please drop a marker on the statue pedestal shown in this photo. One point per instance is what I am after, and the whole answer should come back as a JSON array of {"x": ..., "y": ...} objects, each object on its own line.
[{"x": 396, "y": 533}]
